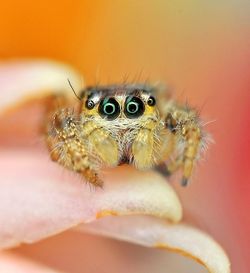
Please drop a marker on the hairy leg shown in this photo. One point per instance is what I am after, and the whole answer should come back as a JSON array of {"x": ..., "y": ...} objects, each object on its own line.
[
  {"x": 184, "y": 125},
  {"x": 64, "y": 143}
]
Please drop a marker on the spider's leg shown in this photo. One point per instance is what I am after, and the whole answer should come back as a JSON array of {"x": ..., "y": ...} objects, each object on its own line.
[
  {"x": 65, "y": 144},
  {"x": 185, "y": 127}
]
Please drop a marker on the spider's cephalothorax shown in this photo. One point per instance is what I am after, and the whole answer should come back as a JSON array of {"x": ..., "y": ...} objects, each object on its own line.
[{"x": 125, "y": 124}]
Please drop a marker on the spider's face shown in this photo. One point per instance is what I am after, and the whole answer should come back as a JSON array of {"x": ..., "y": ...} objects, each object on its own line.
[{"x": 128, "y": 103}]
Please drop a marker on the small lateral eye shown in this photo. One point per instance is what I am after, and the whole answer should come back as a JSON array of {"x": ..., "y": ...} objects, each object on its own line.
[
  {"x": 134, "y": 107},
  {"x": 89, "y": 104},
  {"x": 151, "y": 101},
  {"x": 109, "y": 108}
]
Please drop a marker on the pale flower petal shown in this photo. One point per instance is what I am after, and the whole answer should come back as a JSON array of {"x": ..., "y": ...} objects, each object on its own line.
[
  {"x": 26, "y": 78},
  {"x": 48, "y": 199},
  {"x": 157, "y": 233}
]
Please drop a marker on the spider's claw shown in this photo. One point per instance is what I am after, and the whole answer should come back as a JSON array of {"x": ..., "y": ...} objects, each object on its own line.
[
  {"x": 92, "y": 177},
  {"x": 163, "y": 170},
  {"x": 184, "y": 181}
]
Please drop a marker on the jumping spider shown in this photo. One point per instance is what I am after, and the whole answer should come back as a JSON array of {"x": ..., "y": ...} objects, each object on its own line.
[{"x": 124, "y": 124}]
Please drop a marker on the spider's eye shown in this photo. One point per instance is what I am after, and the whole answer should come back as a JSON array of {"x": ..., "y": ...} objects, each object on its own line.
[
  {"x": 109, "y": 108},
  {"x": 89, "y": 104},
  {"x": 134, "y": 107},
  {"x": 151, "y": 101}
]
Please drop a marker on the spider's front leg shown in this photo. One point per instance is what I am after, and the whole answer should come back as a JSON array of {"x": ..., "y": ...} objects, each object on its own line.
[
  {"x": 185, "y": 127},
  {"x": 65, "y": 144}
]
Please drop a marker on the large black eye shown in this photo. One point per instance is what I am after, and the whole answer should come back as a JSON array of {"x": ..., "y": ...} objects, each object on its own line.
[
  {"x": 109, "y": 108},
  {"x": 134, "y": 107}
]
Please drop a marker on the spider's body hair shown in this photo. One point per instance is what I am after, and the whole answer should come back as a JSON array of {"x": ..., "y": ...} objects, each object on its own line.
[{"x": 162, "y": 133}]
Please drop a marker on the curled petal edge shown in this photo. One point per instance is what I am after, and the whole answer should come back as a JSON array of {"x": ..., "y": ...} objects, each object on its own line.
[{"x": 157, "y": 233}]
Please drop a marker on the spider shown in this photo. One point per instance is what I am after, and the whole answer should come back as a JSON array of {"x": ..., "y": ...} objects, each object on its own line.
[{"x": 119, "y": 124}]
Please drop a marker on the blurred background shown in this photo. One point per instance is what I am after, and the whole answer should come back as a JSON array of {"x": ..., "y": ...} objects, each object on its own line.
[{"x": 201, "y": 49}]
